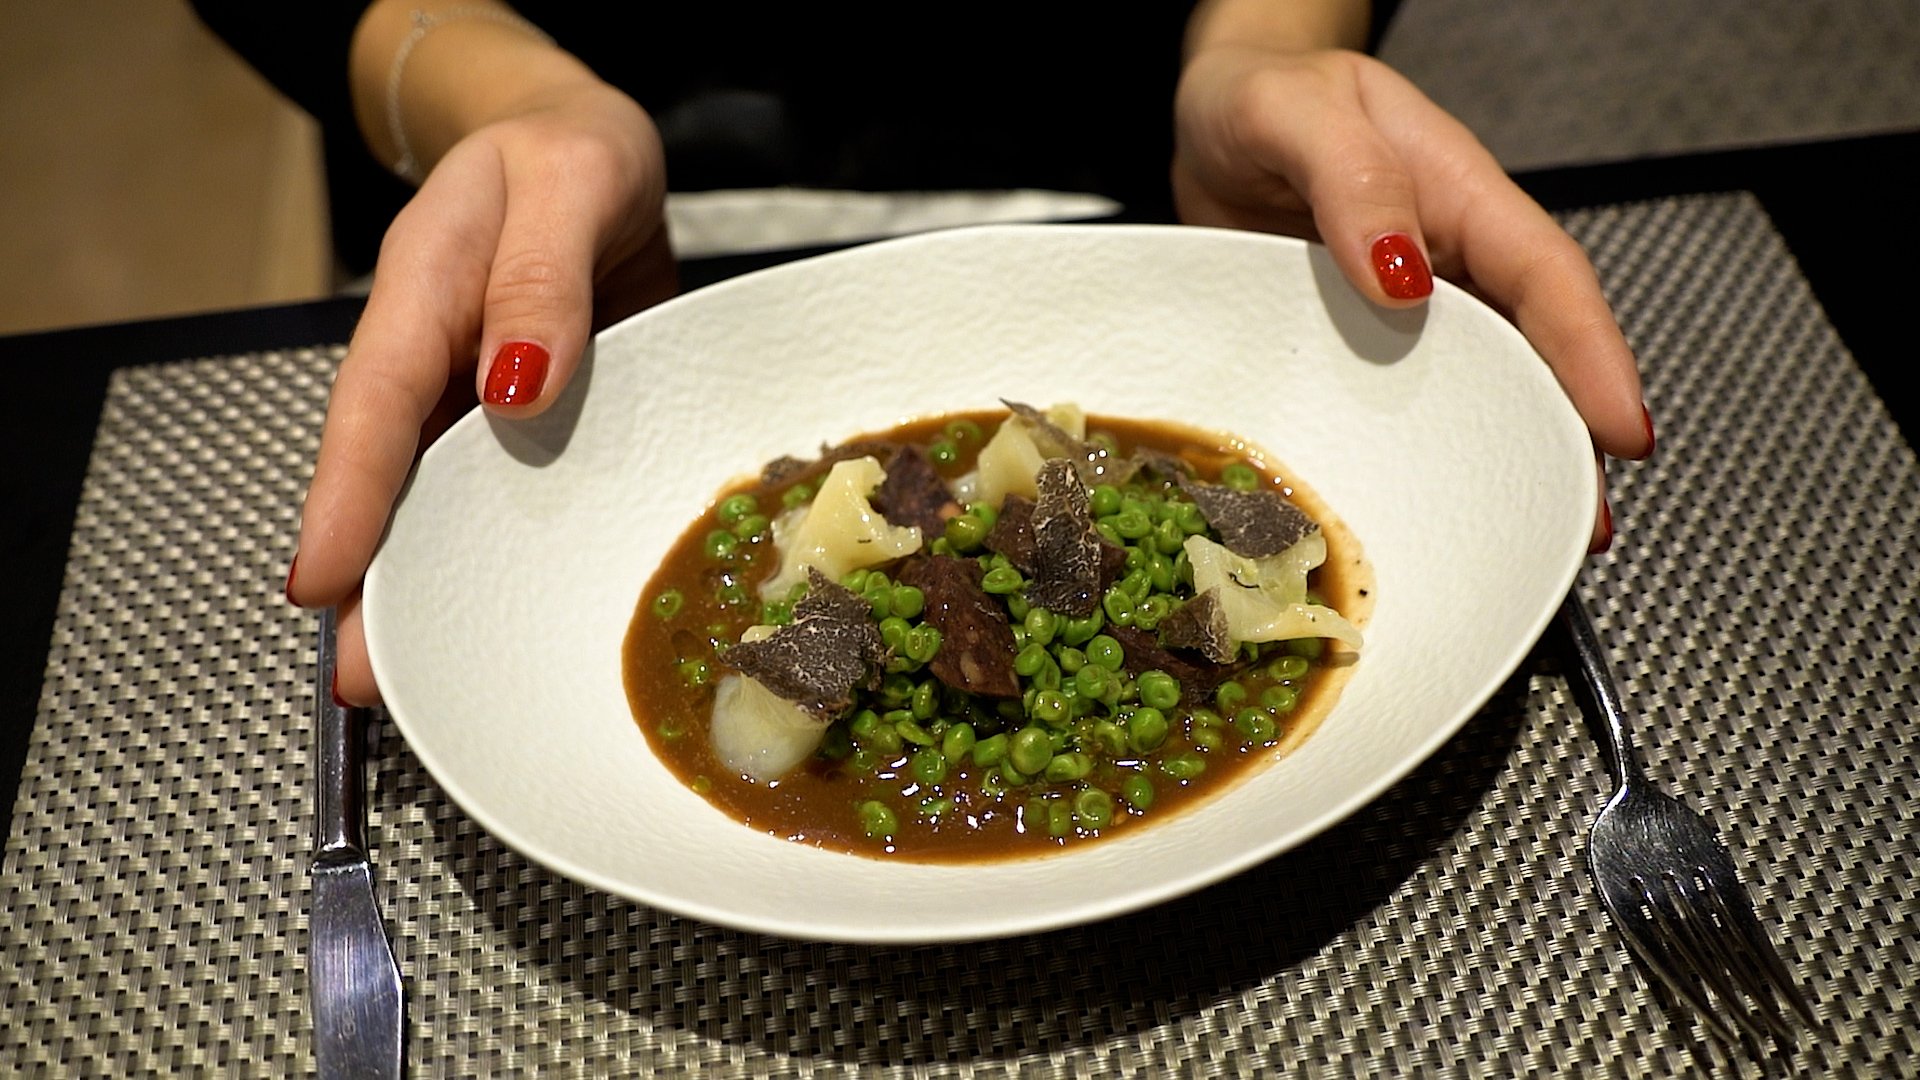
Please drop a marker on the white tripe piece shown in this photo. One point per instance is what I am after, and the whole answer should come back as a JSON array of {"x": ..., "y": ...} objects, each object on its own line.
[
  {"x": 1266, "y": 599},
  {"x": 839, "y": 531}
]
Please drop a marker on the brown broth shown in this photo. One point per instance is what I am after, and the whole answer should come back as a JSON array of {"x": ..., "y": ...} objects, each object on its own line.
[{"x": 815, "y": 802}]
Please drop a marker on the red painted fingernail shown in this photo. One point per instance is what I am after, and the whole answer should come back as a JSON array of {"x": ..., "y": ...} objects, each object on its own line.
[
  {"x": 1647, "y": 419},
  {"x": 1606, "y": 530},
  {"x": 518, "y": 372},
  {"x": 334, "y": 689},
  {"x": 1402, "y": 270},
  {"x": 291, "y": 567}
]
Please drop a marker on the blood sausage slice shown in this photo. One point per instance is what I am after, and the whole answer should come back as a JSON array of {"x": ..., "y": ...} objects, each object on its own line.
[{"x": 976, "y": 643}]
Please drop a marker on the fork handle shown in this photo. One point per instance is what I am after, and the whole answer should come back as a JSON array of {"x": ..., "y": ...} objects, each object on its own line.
[{"x": 1595, "y": 689}]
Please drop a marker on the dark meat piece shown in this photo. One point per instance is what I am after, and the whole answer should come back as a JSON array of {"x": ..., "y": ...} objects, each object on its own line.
[
  {"x": 789, "y": 469},
  {"x": 830, "y": 648},
  {"x": 1067, "y": 561},
  {"x": 1200, "y": 624},
  {"x": 1012, "y": 533},
  {"x": 976, "y": 643},
  {"x": 1253, "y": 524},
  {"x": 1198, "y": 677},
  {"x": 914, "y": 494}
]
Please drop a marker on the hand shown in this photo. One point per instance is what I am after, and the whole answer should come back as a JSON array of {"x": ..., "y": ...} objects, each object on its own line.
[
  {"x": 1335, "y": 146},
  {"x": 528, "y": 234}
]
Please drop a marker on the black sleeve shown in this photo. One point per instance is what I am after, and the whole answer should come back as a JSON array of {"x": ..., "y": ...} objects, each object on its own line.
[
  {"x": 1381, "y": 15},
  {"x": 300, "y": 48}
]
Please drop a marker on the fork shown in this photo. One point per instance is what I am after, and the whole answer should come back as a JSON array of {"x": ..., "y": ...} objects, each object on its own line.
[{"x": 1669, "y": 884}]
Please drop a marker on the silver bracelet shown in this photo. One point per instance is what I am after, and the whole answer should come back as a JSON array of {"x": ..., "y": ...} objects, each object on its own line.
[{"x": 406, "y": 166}]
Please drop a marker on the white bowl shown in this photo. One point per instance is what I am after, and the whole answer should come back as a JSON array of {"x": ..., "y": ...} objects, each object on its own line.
[{"x": 497, "y": 605}]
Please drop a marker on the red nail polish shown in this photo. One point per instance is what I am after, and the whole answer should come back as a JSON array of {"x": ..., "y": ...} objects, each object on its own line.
[
  {"x": 291, "y": 567},
  {"x": 518, "y": 372},
  {"x": 1402, "y": 270},
  {"x": 1646, "y": 418},
  {"x": 1606, "y": 530},
  {"x": 334, "y": 689}
]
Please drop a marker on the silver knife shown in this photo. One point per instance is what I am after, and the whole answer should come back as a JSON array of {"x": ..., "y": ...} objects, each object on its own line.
[{"x": 353, "y": 980}]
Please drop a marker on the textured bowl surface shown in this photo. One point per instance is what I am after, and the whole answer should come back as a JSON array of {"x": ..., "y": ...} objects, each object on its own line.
[{"x": 497, "y": 605}]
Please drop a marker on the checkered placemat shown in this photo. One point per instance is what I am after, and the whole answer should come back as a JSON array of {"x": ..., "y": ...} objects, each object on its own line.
[{"x": 1760, "y": 602}]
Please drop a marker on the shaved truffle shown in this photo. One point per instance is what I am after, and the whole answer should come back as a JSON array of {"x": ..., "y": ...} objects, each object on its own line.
[
  {"x": 914, "y": 494},
  {"x": 1067, "y": 559},
  {"x": 1199, "y": 624},
  {"x": 1051, "y": 439},
  {"x": 1253, "y": 524},
  {"x": 976, "y": 642},
  {"x": 830, "y": 649}
]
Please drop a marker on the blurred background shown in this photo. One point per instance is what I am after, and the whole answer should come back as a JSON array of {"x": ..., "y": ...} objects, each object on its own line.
[{"x": 146, "y": 171}]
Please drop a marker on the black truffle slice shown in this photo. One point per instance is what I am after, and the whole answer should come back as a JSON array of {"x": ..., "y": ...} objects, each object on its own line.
[
  {"x": 830, "y": 648},
  {"x": 1067, "y": 559},
  {"x": 1253, "y": 524},
  {"x": 1199, "y": 624},
  {"x": 914, "y": 494},
  {"x": 976, "y": 643},
  {"x": 1052, "y": 439}
]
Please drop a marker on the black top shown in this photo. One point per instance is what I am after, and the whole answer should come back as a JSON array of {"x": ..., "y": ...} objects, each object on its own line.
[{"x": 858, "y": 96}]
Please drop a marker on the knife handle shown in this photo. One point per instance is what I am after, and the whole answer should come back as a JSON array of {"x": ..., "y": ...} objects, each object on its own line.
[{"x": 340, "y": 813}]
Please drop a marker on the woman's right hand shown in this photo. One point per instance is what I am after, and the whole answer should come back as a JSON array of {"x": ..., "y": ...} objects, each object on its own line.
[{"x": 529, "y": 233}]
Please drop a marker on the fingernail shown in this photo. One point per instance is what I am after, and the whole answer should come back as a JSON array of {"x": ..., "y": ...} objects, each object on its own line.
[
  {"x": 334, "y": 688},
  {"x": 518, "y": 372},
  {"x": 1646, "y": 418},
  {"x": 1402, "y": 270},
  {"x": 291, "y": 567},
  {"x": 1605, "y": 539}
]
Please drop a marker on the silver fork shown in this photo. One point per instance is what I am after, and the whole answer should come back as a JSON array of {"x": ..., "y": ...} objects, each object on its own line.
[{"x": 1670, "y": 885}]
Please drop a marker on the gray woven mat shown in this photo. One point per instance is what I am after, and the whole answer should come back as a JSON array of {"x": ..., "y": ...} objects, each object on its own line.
[{"x": 1761, "y": 602}]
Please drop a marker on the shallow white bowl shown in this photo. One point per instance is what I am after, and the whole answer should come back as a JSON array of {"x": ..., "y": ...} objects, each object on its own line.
[{"x": 497, "y": 606}]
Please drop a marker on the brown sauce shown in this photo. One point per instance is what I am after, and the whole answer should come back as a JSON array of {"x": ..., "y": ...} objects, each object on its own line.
[{"x": 671, "y": 669}]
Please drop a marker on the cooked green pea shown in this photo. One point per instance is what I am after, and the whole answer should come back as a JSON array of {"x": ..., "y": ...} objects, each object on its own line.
[
  {"x": 926, "y": 700},
  {"x": 1161, "y": 573},
  {"x": 1158, "y": 689},
  {"x": 1309, "y": 647},
  {"x": 908, "y": 601},
  {"x": 934, "y": 808},
  {"x": 1011, "y": 776},
  {"x": 1002, "y": 580},
  {"x": 863, "y": 723},
  {"x": 1093, "y": 809},
  {"x": 1059, "y": 818},
  {"x": 1206, "y": 718},
  {"x": 1240, "y": 476},
  {"x": 985, "y": 512},
  {"x": 1148, "y": 613},
  {"x": 1049, "y": 707},
  {"x": 1072, "y": 765},
  {"x": 1288, "y": 667},
  {"x": 877, "y": 820},
  {"x": 922, "y": 643},
  {"x": 943, "y": 452},
  {"x": 1138, "y": 791},
  {"x": 1092, "y": 681},
  {"x": 1168, "y": 537},
  {"x": 735, "y": 508},
  {"x": 695, "y": 672},
  {"x": 1132, "y": 524},
  {"x": 1255, "y": 724},
  {"x": 896, "y": 690},
  {"x": 1070, "y": 659},
  {"x": 929, "y": 765},
  {"x": 1106, "y": 652},
  {"x": 1030, "y": 750},
  {"x": 1206, "y": 738},
  {"x": 1146, "y": 729},
  {"x": 1281, "y": 699},
  {"x": 721, "y": 545},
  {"x": 795, "y": 495},
  {"x": 730, "y": 593},
  {"x": 990, "y": 751},
  {"x": 1110, "y": 737},
  {"x": 1029, "y": 660},
  {"x": 1184, "y": 766},
  {"x": 776, "y": 613},
  {"x": 958, "y": 741},
  {"x": 1230, "y": 696},
  {"x": 1041, "y": 625},
  {"x": 1048, "y": 677},
  {"x": 1190, "y": 519},
  {"x": 668, "y": 603},
  {"x": 1118, "y": 605},
  {"x": 965, "y": 532},
  {"x": 751, "y": 527},
  {"x": 885, "y": 740},
  {"x": 1080, "y": 631},
  {"x": 1105, "y": 500}
]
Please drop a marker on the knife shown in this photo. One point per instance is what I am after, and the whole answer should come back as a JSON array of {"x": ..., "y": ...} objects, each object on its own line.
[{"x": 353, "y": 980}]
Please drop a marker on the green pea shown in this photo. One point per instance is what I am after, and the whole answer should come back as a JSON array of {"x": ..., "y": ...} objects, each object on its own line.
[
  {"x": 1159, "y": 689},
  {"x": 1206, "y": 718},
  {"x": 863, "y": 724},
  {"x": 1029, "y": 660},
  {"x": 1106, "y": 652},
  {"x": 1184, "y": 767},
  {"x": 958, "y": 741},
  {"x": 935, "y": 808},
  {"x": 1206, "y": 738},
  {"x": 990, "y": 751},
  {"x": 1093, "y": 809},
  {"x": 1030, "y": 750},
  {"x": 1072, "y": 765},
  {"x": 1059, "y": 818},
  {"x": 1017, "y": 609},
  {"x": 1281, "y": 699},
  {"x": 1118, "y": 605},
  {"x": 1148, "y": 613},
  {"x": 1168, "y": 537},
  {"x": 1048, "y": 677},
  {"x": 896, "y": 690},
  {"x": 1309, "y": 647},
  {"x": 885, "y": 740},
  {"x": 1070, "y": 659},
  {"x": 721, "y": 545},
  {"x": 1137, "y": 584},
  {"x": 668, "y": 603},
  {"x": 751, "y": 527},
  {"x": 1138, "y": 791},
  {"x": 965, "y": 532},
  {"x": 1041, "y": 625},
  {"x": 929, "y": 766},
  {"x": 695, "y": 672},
  {"x": 1190, "y": 519},
  {"x": 922, "y": 643},
  {"x": 1162, "y": 574},
  {"x": 1255, "y": 724},
  {"x": 796, "y": 495},
  {"x": 1288, "y": 667},
  {"x": 912, "y": 731},
  {"x": 908, "y": 601},
  {"x": 1132, "y": 524},
  {"x": 730, "y": 594},
  {"x": 942, "y": 452},
  {"x": 877, "y": 820},
  {"x": 1002, "y": 580},
  {"x": 835, "y": 745},
  {"x": 776, "y": 613},
  {"x": 1240, "y": 476},
  {"x": 962, "y": 431},
  {"x": 985, "y": 512},
  {"x": 1146, "y": 730},
  {"x": 926, "y": 700},
  {"x": 1049, "y": 707},
  {"x": 734, "y": 508},
  {"x": 1110, "y": 737},
  {"x": 1230, "y": 696},
  {"x": 1011, "y": 776},
  {"x": 1105, "y": 500},
  {"x": 893, "y": 633}
]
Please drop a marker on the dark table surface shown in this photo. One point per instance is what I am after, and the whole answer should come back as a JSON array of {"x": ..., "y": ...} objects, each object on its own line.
[{"x": 1828, "y": 199}]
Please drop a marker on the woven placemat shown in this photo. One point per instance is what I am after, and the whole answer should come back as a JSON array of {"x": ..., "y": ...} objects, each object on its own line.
[{"x": 1761, "y": 605}]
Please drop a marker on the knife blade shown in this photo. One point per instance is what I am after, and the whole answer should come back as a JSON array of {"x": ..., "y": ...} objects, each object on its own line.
[{"x": 353, "y": 980}]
